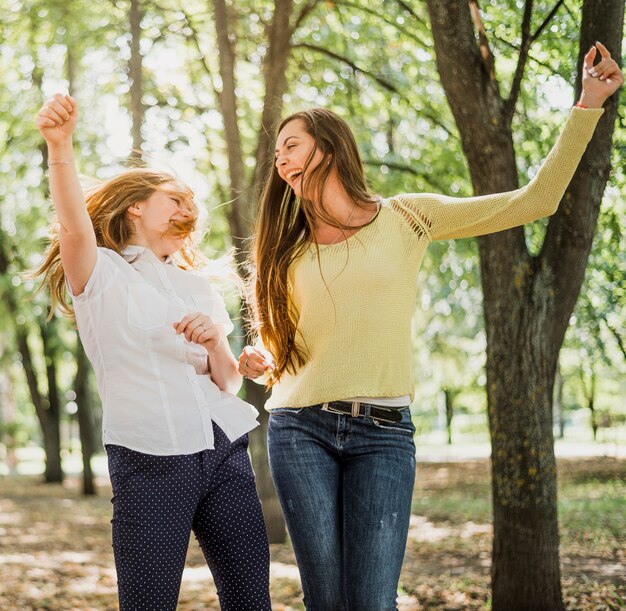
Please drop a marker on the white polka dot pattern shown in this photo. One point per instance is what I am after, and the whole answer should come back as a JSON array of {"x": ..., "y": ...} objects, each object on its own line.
[{"x": 159, "y": 500}]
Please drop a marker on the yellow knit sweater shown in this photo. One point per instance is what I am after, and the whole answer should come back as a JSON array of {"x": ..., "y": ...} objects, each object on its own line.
[{"x": 354, "y": 314}]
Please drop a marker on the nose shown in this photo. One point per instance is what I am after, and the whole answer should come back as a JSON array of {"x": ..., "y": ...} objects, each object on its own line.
[
  {"x": 281, "y": 161},
  {"x": 182, "y": 215}
]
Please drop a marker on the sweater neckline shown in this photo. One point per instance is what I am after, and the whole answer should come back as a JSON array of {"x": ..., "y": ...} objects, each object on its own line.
[{"x": 324, "y": 247}]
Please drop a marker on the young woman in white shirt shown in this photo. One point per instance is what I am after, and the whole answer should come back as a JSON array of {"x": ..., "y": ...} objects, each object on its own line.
[{"x": 156, "y": 331}]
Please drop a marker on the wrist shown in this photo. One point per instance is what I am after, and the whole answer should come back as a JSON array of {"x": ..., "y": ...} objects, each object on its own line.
[
  {"x": 214, "y": 347},
  {"x": 61, "y": 151},
  {"x": 589, "y": 101}
]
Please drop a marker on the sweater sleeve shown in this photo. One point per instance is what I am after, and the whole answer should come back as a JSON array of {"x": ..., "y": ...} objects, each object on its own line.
[{"x": 443, "y": 218}]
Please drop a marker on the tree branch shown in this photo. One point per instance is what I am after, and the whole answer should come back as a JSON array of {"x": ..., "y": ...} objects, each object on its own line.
[
  {"x": 527, "y": 41},
  {"x": 402, "y": 167},
  {"x": 304, "y": 13},
  {"x": 485, "y": 52},
  {"x": 379, "y": 79},
  {"x": 615, "y": 333},
  {"x": 377, "y": 14},
  {"x": 404, "y": 6},
  {"x": 509, "y": 104}
]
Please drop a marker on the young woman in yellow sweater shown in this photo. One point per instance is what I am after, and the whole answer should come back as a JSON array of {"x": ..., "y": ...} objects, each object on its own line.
[{"x": 336, "y": 274}]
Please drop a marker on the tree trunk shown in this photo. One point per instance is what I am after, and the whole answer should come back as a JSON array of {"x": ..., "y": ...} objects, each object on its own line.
[
  {"x": 84, "y": 415},
  {"x": 53, "y": 469},
  {"x": 559, "y": 413},
  {"x": 135, "y": 73},
  {"x": 527, "y": 300},
  {"x": 449, "y": 398},
  {"x": 244, "y": 193},
  {"x": 52, "y": 423}
]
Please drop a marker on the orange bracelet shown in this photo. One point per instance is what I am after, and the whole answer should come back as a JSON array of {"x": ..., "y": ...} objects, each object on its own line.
[{"x": 581, "y": 105}]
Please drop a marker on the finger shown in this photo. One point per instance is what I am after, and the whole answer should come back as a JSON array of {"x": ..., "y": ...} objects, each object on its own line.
[
  {"x": 45, "y": 122},
  {"x": 612, "y": 70},
  {"x": 603, "y": 66},
  {"x": 182, "y": 325},
  {"x": 72, "y": 102},
  {"x": 51, "y": 113},
  {"x": 201, "y": 329},
  {"x": 197, "y": 326},
  {"x": 604, "y": 52},
  {"x": 60, "y": 110},
  {"x": 63, "y": 103},
  {"x": 588, "y": 61},
  {"x": 256, "y": 365},
  {"x": 247, "y": 351}
]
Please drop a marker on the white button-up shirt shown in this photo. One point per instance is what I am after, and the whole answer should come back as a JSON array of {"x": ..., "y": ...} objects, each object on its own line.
[{"x": 156, "y": 390}]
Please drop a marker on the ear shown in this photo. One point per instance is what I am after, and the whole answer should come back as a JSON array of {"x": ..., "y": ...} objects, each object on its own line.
[{"x": 135, "y": 210}]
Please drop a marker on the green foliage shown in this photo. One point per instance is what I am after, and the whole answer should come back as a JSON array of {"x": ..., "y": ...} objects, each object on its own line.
[{"x": 372, "y": 62}]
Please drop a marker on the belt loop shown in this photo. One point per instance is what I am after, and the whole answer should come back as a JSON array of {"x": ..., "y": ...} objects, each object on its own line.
[{"x": 355, "y": 408}]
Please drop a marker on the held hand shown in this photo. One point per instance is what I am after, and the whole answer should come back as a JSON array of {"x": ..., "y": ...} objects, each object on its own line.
[
  {"x": 601, "y": 81},
  {"x": 199, "y": 329},
  {"x": 254, "y": 362},
  {"x": 57, "y": 119}
]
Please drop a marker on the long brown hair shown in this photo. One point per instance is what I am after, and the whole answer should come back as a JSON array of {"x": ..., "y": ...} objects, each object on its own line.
[
  {"x": 107, "y": 204},
  {"x": 285, "y": 227}
]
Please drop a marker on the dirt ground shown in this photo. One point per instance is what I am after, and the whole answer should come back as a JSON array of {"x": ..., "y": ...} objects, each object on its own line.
[{"x": 55, "y": 546}]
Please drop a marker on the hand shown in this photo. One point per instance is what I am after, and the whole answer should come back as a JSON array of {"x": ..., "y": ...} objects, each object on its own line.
[
  {"x": 254, "y": 362},
  {"x": 601, "y": 81},
  {"x": 57, "y": 119},
  {"x": 199, "y": 329}
]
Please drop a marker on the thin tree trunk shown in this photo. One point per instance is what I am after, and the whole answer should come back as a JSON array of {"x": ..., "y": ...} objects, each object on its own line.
[
  {"x": 54, "y": 472},
  {"x": 84, "y": 415},
  {"x": 135, "y": 73},
  {"x": 449, "y": 398}
]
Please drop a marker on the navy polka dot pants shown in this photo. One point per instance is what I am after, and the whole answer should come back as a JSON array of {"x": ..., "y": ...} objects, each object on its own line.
[{"x": 159, "y": 500}]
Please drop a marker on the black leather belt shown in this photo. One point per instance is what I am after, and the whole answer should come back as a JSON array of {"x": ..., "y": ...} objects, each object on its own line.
[{"x": 356, "y": 408}]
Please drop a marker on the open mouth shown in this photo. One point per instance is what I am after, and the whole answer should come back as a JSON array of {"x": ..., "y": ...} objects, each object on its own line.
[{"x": 293, "y": 175}]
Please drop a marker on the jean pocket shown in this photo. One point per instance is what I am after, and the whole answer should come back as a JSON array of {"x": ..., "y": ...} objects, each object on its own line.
[
  {"x": 404, "y": 427},
  {"x": 286, "y": 411},
  {"x": 147, "y": 309}
]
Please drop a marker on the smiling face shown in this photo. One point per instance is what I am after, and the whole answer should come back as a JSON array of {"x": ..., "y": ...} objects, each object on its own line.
[
  {"x": 159, "y": 221},
  {"x": 294, "y": 147}
]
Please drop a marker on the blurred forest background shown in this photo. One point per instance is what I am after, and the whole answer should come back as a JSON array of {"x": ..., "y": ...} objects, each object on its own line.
[{"x": 197, "y": 88}]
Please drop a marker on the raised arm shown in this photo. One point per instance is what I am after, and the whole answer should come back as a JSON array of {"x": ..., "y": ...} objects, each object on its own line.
[
  {"x": 56, "y": 122},
  {"x": 449, "y": 217}
]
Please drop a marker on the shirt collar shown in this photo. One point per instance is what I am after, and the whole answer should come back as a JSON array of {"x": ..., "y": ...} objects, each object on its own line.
[{"x": 133, "y": 252}]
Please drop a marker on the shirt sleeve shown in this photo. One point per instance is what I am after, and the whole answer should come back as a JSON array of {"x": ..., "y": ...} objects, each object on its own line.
[
  {"x": 219, "y": 315},
  {"x": 444, "y": 218},
  {"x": 102, "y": 275}
]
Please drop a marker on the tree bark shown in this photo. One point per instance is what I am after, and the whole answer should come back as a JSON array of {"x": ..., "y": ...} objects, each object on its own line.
[
  {"x": 244, "y": 192},
  {"x": 84, "y": 414},
  {"x": 52, "y": 422},
  {"x": 135, "y": 73},
  {"x": 527, "y": 300},
  {"x": 449, "y": 400},
  {"x": 559, "y": 415},
  {"x": 53, "y": 469}
]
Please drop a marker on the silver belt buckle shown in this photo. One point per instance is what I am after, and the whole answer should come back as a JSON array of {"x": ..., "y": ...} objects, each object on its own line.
[{"x": 355, "y": 408}]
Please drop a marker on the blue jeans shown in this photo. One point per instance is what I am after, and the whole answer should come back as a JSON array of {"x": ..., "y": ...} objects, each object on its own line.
[{"x": 345, "y": 485}]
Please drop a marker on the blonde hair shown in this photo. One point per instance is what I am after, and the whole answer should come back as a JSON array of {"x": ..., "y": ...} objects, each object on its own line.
[{"x": 107, "y": 204}]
